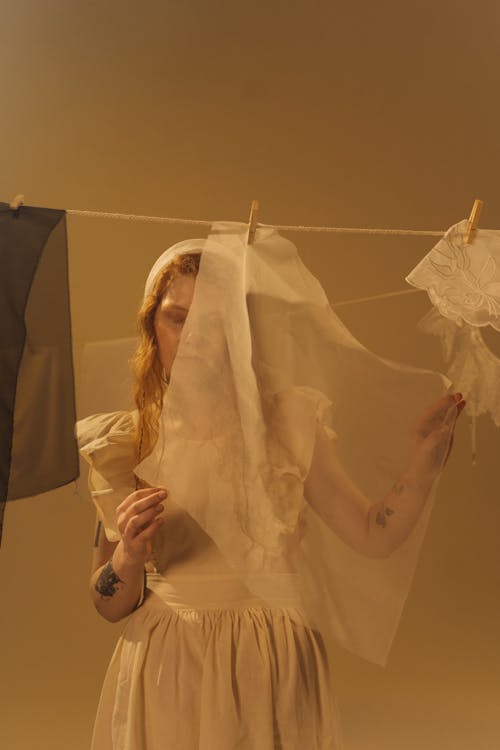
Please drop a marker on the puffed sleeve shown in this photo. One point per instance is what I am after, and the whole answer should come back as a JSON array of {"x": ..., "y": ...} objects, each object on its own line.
[
  {"x": 291, "y": 450},
  {"x": 106, "y": 442}
]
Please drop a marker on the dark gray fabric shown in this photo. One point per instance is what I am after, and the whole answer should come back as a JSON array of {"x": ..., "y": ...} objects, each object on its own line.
[{"x": 38, "y": 451}]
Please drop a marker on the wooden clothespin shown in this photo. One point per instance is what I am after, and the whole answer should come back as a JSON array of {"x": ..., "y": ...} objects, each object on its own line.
[
  {"x": 252, "y": 222},
  {"x": 473, "y": 220},
  {"x": 18, "y": 201}
]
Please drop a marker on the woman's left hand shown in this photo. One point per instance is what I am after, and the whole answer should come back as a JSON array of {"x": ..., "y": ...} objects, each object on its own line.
[{"x": 433, "y": 433}]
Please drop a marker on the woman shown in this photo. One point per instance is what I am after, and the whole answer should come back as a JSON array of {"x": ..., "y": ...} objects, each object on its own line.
[{"x": 204, "y": 662}]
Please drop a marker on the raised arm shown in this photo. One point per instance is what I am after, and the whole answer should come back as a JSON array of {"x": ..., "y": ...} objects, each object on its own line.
[{"x": 376, "y": 529}]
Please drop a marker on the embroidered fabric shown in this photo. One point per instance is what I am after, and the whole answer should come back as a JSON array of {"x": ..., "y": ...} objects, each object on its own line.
[{"x": 463, "y": 283}]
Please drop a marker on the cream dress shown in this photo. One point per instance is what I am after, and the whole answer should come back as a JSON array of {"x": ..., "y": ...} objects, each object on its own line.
[{"x": 202, "y": 664}]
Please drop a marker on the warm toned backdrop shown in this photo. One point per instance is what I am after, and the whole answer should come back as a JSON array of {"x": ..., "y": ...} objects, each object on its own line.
[{"x": 354, "y": 114}]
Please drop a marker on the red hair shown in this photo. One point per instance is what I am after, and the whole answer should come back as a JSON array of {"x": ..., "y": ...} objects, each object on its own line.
[{"x": 147, "y": 369}]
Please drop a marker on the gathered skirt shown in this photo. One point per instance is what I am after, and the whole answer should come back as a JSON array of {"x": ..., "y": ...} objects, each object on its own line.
[{"x": 205, "y": 665}]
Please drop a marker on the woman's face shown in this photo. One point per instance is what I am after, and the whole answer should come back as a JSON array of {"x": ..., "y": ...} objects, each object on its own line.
[{"x": 170, "y": 316}]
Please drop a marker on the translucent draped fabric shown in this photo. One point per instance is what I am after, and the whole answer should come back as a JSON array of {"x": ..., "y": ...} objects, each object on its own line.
[
  {"x": 38, "y": 450},
  {"x": 263, "y": 363}
]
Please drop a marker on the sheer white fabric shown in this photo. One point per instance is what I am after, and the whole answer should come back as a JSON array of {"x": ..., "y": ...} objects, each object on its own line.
[{"x": 262, "y": 359}]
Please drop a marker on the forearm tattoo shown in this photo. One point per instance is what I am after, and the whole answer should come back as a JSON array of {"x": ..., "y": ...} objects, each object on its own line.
[
  {"x": 107, "y": 580},
  {"x": 380, "y": 518}
]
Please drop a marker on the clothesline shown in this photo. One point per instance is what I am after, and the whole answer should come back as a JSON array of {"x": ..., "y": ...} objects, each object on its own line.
[
  {"x": 376, "y": 296},
  {"x": 286, "y": 227}
]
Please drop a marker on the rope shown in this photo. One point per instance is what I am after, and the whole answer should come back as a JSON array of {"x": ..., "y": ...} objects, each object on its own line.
[
  {"x": 286, "y": 227},
  {"x": 376, "y": 296}
]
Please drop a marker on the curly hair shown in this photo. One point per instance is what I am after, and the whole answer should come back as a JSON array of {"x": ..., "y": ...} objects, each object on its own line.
[{"x": 149, "y": 385}]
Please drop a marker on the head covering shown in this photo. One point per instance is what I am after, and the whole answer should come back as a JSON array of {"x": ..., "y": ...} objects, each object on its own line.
[
  {"x": 263, "y": 367},
  {"x": 180, "y": 248},
  {"x": 463, "y": 284}
]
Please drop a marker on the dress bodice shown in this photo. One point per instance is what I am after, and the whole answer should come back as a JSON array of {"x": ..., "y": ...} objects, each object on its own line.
[{"x": 182, "y": 546}]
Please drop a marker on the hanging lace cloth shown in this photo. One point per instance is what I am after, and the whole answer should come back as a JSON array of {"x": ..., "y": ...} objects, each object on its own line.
[
  {"x": 38, "y": 450},
  {"x": 463, "y": 283}
]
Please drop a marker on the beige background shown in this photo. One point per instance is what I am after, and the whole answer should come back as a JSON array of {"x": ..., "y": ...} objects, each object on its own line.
[{"x": 350, "y": 114}]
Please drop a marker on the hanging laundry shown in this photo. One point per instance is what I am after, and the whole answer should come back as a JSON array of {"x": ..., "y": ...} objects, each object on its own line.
[
  {"x": 38, "y": 450},
  {"x": 463, "y": 283}
]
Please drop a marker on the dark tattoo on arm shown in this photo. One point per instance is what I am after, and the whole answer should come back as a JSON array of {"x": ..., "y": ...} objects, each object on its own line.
[
  {"x": 380, "y": 518},
  {"x": 106, "y": 583}
]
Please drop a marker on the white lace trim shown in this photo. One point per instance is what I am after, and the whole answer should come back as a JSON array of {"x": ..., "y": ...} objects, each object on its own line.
[{"x": 471, "y": 365}]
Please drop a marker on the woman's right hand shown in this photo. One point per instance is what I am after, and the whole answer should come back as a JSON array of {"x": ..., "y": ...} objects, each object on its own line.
[{"x": 138, "y": 520}]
